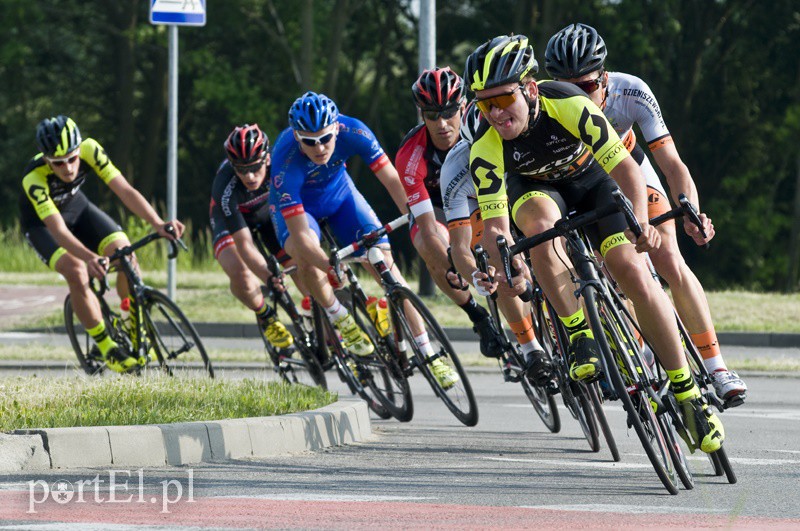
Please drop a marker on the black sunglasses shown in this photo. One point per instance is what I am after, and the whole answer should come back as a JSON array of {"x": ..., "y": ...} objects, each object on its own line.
[
  {"x": 249, "y": 168},
  {"x": 590, "y": 86},
  {"x": 446, "y": 114}
]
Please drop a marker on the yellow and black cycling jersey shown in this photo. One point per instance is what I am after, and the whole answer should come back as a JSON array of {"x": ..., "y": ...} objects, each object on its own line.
[
  {"x": 556, "y": 146},
  {"x": 48, "y": 194}
]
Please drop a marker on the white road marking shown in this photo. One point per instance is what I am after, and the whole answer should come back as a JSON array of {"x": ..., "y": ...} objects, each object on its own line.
[
  {"x": 758, "y": 413},
  {"x": 329, "y": 497},
  {"x": 24, "y": 302},
  {"x": 22, "y": 335},
  {"x": 576, "y": 464},
  {"x": 628, "y": 509}
]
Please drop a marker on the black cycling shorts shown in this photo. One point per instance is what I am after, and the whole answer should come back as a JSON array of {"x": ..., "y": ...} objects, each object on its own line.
[
  {"x": 589, "y": 191},
  {"x": 94, "y": 228}
]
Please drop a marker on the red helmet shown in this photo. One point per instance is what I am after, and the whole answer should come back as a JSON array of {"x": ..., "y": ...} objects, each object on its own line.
[
  {"x": 438, "y": 89},
  {"x": 246, "y": 145}
]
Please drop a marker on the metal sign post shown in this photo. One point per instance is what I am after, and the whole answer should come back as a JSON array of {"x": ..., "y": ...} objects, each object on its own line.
[
  {"x": 174, "y": 13},
  {"x": 427, "y": 59}
]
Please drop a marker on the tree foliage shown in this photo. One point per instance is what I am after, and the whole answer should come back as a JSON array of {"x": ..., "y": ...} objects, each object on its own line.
[{"x": 726, "y": 74}]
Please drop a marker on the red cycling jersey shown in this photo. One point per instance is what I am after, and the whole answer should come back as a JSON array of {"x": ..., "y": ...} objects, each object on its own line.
[{"x": 419, "y": 162}]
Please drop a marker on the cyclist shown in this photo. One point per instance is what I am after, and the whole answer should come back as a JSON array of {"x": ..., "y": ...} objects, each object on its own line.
[
  {"x": 239, "y": 210},
  {"x": 311, "y": 183},
  {"x": 460, "y": 205},
  {"x": 577, "y": 55},
  {"x": 69, "y": 233},
  {"x": 556, "y": 146},
  {"x": 439, "y": 95}
]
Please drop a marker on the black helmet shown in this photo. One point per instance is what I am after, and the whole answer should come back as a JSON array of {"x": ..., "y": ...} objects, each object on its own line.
[
  {"x": 574, "y": 52},
  {"x": 58, "y": 136},
  {"x": 504, "y": 59},
  {"x": 247, "y": 145}
]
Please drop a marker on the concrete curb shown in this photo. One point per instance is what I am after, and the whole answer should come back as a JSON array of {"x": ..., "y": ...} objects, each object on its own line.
[
  {"x": 344, "y": 422},
  {"x": 249, "y": 331}
]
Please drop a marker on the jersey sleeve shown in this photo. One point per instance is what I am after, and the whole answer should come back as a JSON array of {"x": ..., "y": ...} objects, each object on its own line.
[
  {"x": 365, "y": 144},
  {"x": 287, "y": 177},
  {"x": 412, "y": 167},
  {"x": 94, "y": 155},
  {"x": 581, "y": 117},
  {"x": 38, "y": 192},
  {"x": 224, "y": 196},
  {"x": 647, "y": 113},
  {"x": 487, "y": 170},
  {"x": 456, "y": 185}
]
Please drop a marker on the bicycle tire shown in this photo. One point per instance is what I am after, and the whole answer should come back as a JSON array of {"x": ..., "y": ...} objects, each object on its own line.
[
  {"x": 459, "y": 398},
  {"x": 676, "y": 453},
  {"x": 725, "y": 465},
  {"x": 305, "y": 344},
  {"x": 544, "y": 404},
  {"x": 389, "y": 381},
  {"x": 85, "y": 349},
  {"x": 340, "y": 357},
  {"x": 637, "y": 403},
  {"x": 173, "y": 337},
  {"x": 602, "y": 420}
]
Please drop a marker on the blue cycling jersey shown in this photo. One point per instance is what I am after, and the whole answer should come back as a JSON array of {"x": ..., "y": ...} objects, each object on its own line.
[{"x": 299, "y": 185}]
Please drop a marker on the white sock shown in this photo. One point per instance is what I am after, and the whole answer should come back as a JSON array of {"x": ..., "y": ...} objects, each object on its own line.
[
  {"x": 530, "y": 346},
  {"x": 336, "y": 311},
  {"x": 424, "y": 343},
  {"x": 714, "y": 364}
]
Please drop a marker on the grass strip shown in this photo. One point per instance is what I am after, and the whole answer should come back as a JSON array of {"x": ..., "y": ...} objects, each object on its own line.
[{"x": 32, "y": 402}]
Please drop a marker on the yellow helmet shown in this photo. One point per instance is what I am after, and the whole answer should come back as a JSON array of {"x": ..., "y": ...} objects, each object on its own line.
[{"x": 504, "y": 59}]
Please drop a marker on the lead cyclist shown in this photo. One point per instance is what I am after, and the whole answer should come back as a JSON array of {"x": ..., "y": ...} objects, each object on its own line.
[{"x": 577, "y": 55}]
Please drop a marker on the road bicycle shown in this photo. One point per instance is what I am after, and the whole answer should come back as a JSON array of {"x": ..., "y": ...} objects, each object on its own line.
[
  {"x": 719, "y": 459},
  {"x": 405, "y": 308},
  {"x": 157, "y": 331},
  {"x": 627, "y": 376},
  {"x": 512, "y": 362},
  {"x": 583, "y": 400},
  {"x": 307, "y": 369}
]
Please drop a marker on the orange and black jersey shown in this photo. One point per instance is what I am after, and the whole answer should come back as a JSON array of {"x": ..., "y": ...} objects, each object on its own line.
[
  {"x": 557, "y": 146},
  {"x": 48, "y": 194}
]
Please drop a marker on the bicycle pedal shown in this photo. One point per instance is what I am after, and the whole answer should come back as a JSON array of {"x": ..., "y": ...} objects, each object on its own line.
[
  {"x": 511, "y": 376},
  {"x": 734, "y": 401}
]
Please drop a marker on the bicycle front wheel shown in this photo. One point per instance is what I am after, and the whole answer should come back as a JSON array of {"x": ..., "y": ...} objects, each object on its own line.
[
  {"x": 173, "y": 339},
  {"x": 308, "y": 369},
  {"x": 89, "y": 357},
  {"x": 456, "y": 391},
  {"x": 618, "y": 346}
]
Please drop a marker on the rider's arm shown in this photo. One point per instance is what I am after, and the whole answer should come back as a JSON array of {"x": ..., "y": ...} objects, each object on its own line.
[
  {"x": 460, "y": 239},
  {"x": 137, "y": 204},
  {"x": 388, "y": 176},
  {"x": 254, "y": 260},
  {"x": 677, "y": 174}
]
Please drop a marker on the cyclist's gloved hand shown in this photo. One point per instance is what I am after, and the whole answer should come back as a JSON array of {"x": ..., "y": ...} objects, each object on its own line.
[
  {"x": 97, "y": 267},
  {"x": 482, "y": 284},
  {"x": 276, "y": 283},
  {"x": 648, "y": 240},
  {"x": 335, "y": 278},
  {"x": 694, "y": 232}
]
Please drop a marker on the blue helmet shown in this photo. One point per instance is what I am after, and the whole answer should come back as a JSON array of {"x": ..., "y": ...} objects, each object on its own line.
[{"x": 312, "y": 112}]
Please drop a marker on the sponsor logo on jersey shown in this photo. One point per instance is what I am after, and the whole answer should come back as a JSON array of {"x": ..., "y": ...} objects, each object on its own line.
[
  {"x": 411, "y": 181},
  {"x": 285, "y": 198}
]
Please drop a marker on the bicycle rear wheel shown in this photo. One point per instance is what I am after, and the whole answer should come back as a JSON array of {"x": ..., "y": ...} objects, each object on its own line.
[
  {"x": 459, "y": 397},
  {"x": 173, "y": 338},
  {"x": 609, "y": 329}
]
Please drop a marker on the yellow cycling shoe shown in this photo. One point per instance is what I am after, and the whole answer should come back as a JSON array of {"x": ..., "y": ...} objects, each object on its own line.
[
  {"x": 119, "y": 361},
  {"x": 704, "y": 426}
]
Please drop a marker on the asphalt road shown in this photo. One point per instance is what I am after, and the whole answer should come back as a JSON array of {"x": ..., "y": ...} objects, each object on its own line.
[{"x": 507, "y": 472}]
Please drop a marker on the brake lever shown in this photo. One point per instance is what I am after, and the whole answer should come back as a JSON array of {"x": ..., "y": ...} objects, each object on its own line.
[
  {"x": 626, "y": 208},
  {"x": 691, "y": 211},
  {"x": 505, "y": 257}
]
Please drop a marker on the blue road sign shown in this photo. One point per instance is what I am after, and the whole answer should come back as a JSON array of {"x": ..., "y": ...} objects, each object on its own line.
[{"x": 178, "y": 12}]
